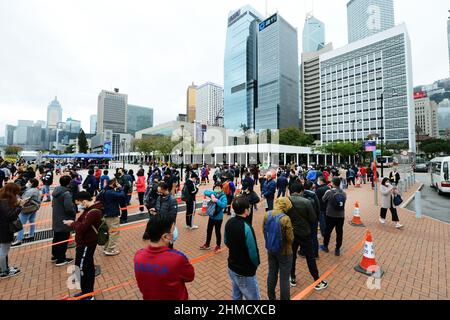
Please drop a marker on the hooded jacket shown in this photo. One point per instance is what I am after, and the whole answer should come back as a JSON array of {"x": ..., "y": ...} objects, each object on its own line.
[
  {"x": 63, "y": 209},
  {"x": 282, "y": 206}
]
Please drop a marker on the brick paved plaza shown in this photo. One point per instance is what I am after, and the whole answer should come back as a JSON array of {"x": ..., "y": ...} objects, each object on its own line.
[{"x": 416, "y": 261}]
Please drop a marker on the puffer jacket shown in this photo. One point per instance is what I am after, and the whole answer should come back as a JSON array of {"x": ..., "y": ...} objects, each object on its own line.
[
  {"x": 221, "y": 203},
  {"x": 282, "y": 206},
  {"x": 167, "y": 205},
  {"x": 63, "y": 209}
]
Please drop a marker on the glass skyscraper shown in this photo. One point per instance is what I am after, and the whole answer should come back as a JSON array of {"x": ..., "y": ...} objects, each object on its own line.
[
  {"x": 368, "y": 17},
  {"x": 278, "y": 75},
  {"x": 54, "y": 114},
  {"x": 313, "y": 34},
  {"x": 112, "y": 111},
  {"x": 138, "y": 118},
  {"x": 240, "y": 67}
]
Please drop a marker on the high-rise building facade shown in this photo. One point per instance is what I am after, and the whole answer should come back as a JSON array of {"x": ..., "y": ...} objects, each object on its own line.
[
  {"x": 112, "y": 111},
  {"x": 310, "y": 91},
  {"x": 240, "y": 67},
  {"x": 9, "y": 134},
  {"x": 73, "y": 126},
  {"x": 138, "y": 118},
  {"x": 93, "y": 124},
  {"x": 54, "y": 114},
  {"x": 313, "y": 34},
  {"x": 353, "y": 80},
  {"x": 426, "y": 115},
  {"x": 191, "y": 96},
  {"x": 278, "y": 78},
  {"x": 209, "y": 107},
  {"x": 368, "y": 17}
]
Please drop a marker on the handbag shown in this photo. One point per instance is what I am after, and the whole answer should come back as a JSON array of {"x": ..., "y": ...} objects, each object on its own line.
[
  {"x": 397, "y": 200},
  {"x": 30, "y": 207},
  {"x": 15, "y": 226}
]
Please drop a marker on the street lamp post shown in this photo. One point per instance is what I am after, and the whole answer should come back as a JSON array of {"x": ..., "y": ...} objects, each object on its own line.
[
  {"x": 123, "y": 153},
  {"x": 182, "y": 151},
  {"x": 394, "y": 93}
]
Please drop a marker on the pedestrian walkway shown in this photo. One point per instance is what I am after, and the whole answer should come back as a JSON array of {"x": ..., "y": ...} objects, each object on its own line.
[{"x": 416, "y": 262}]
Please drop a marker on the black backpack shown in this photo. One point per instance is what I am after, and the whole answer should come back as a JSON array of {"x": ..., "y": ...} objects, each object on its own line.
[
  {"x": 185, "y": 193},
  {"x": 337, "y": 201}
]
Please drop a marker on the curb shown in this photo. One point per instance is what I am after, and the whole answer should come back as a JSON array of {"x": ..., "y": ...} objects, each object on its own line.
[{"x": 407, "y": 202}]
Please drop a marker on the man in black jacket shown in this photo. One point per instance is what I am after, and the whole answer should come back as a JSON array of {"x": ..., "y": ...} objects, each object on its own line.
[
  {"x": 166, "y": 202},
  {"x": 190, "y": 191},
  {"x": 312, "y": 197},
  {"x": 302, "y": 217},
  {"x": 320, "y": 192},
  {"x": 63, "y": 209}
]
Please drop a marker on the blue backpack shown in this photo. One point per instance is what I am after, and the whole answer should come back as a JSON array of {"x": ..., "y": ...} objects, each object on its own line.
[
  {"x": 338, "y": 201},
  {"x": 272, "y": 233}
]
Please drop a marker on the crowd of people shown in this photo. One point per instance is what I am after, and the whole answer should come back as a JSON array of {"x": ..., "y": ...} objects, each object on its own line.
[{"x": 297, "y": 200}]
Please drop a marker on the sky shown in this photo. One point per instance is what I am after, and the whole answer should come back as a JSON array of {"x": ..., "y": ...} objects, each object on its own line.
[{"x": 152, "y": 50}]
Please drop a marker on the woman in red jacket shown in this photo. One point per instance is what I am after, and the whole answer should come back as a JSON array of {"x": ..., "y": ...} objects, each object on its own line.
[
  {"x": 86, "y": 239},
  {"x": 141, "y": 187}
]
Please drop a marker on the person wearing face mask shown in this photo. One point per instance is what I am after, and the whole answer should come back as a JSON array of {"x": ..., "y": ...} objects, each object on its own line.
[
  {"x": 162, "y": 273},
  {"x": 62, "y": 209},
  {"x": 86, "y": 228},
  {"x": 243, "y": 259},
  {"x": 320, "y": 192},
  {"x": 166, "y": 204},
  {"x": 220, "y": 199},
  {"x": 387, "y": 203},
  {"x": 32, "y": 199}
]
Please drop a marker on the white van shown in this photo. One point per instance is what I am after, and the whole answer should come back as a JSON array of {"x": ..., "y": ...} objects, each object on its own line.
[
  {"x": 440, "y": 174},
  {"x": 34, "y": 156}
]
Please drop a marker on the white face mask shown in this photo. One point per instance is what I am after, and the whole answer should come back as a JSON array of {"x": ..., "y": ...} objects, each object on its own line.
[{"x": 28, "y": 185}]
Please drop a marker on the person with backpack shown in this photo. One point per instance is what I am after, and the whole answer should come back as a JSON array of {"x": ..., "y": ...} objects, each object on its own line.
[
  {"x": 268, "y": 191},
  {"x": 302, "y": 217},
  {"x": 161, "y": 272},
  {"x": 62, "y": 209},
  {"x": 47, "y": 180},
  {"x": 322, "y": 188},
  {"x": 279, "y": 236},
  {"x": 141, "y": 188},
  {"x": 388, "y": 193},
  {"x": 311, "y": 196},
  {"x": 32, "y": 199},
  {"x": 312, "y": 174},
  {"x": 129, "y": 176},
  {"x": 112, "y": 196},
  {"x": 351, "y": 176},
  {"x": 243, "y": 258},
  {"x": 215, "y": 211},
  {"x": 151, "y": 194},
  {"x": 229, "y": 188},
  {"x": 188, "y": 195},
  {"x": 86, "y": 229},
  {"x": 90, "y": 184},
  {"x": 125, "y": 184},
  {"x": 336, "y": 199}
]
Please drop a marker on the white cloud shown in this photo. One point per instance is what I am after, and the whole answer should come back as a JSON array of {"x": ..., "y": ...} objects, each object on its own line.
[{"x": 153, "y": 50}]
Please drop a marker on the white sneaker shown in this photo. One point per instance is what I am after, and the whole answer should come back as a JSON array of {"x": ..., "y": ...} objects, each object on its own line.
[
  {"x": 187, "y": 227},
  {"x": 382, "y": 221},
  {"x": 194, "y": 228},
  {"x": 399, "y": 226},
  {"x": 111, "y": 253}
]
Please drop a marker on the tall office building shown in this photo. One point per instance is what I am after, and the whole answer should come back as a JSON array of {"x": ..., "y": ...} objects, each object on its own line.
[
  {"x": 190, "y": 102},
  {"x": 368, "y": 17},
  {"x": 73, "y": 126},
  {"x": 240, "y": 67},
  {"x": 278, "y": 85},
  {"x": 54, "y": 114},
  {"x": 209, "y": 107},
  {"x": 93, "y": 124},
  {"x": 112, "y": 111},
  {"x": 9, "y": 134},
  {"x": 426, "y": 114},
  {"x": 313, "y": 34},
  {"x": 310, "y": 91},
  {"x": 138, "y": 118},
  {"x": 354, "y": 77}
]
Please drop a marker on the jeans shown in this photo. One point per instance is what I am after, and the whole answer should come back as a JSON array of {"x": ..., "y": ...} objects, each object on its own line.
[
  {"x": 189, "y": 212},
  {"x": 244, "y": 287},
  {"x": 4, "y": 250},
  {"x": 141, "y": 201},
  {"x": 25, "y": 218},
  {"x": 59, "y": 251},
  {"x": 112, "y": 223},
  {"x": 395, "y": 218},
  {"x": 84, "y": 260},
  {"x": 46, "y": 191},
  {"x": 332, "y": 223},
  {"x": 282, "y": 264},
  {"x": 282, "y": 192},
  {"x": 344, "y": 184},
  {"x": 217, "y": 225},
  {"x": 322, "y": 223},
  {"x": 306, "y": 246}
]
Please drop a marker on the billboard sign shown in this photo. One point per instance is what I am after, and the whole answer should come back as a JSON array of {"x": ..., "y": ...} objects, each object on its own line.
[
  {"x": 370, "y": 146},
  {"x": 266, "y": 23}
]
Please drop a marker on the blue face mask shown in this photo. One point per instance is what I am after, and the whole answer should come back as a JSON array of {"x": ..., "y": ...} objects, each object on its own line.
[
  {"x": 81, "y": 207},
  {"x": 175, "y": 235}
]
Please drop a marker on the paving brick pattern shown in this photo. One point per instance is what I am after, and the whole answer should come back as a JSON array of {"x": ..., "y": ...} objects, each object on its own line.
[{"x": 416, "y": 262}]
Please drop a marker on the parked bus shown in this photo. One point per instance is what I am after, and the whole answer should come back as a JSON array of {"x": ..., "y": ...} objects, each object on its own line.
[{"x": 440, "y": 174}]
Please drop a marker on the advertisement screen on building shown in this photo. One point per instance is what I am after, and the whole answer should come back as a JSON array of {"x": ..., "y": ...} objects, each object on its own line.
[
  {"x": 370, "y": 146},
  {"x": 420, "y": 95}
]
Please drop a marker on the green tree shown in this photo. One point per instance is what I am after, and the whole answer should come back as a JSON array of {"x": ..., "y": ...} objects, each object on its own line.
[
  {"x": 12, "y": 150},
  {"x": 293, "y": 136},
  {"x": 435, "y": 147},
  {"x": 82, "y": 142},
  {"x": 70, "y": 149}
]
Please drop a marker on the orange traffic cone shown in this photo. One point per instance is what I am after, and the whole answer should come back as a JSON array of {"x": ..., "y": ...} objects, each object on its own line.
[
  {"x": 204, "y": 205},
  {"x": 356, "y": 220},
  {"x": 368, "y": 265}
]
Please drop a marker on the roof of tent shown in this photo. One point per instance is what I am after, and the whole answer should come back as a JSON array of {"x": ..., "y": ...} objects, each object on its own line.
[{"x": 79, "y": 156}]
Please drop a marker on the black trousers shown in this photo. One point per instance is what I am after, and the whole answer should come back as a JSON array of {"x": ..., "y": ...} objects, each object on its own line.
[
  {"x": 227, "y": 210},
  {"x": 84, "y": 260},
  {"x": 332, "y": 223},
  {"x": 59, "y": 251},
  {"x": 217, "y": 225},
  {"x": 306, "y": 246},
  {"x": 383, "y": 214},
  {"x": 124, "y": 211},
  {"x": 249, "y": 219},
  {"x": 141, "y": 201},
  {"x": 189, "y": 212}
]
